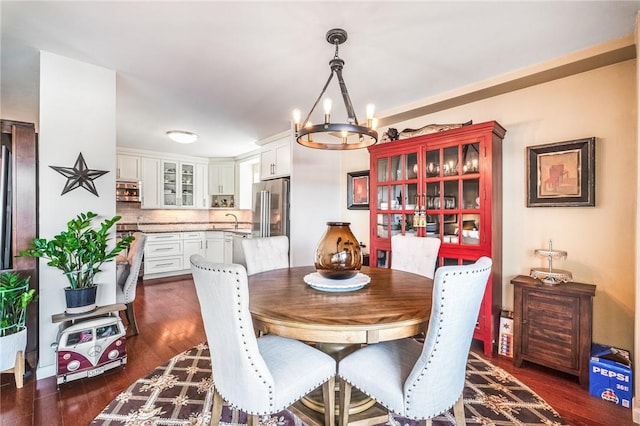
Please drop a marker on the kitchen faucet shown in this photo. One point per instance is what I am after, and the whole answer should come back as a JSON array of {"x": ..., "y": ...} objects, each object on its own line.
[{"x": 236, "y": 218}]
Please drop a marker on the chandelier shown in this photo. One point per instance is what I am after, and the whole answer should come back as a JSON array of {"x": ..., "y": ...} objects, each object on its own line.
[{"x": 328, "y": 135}]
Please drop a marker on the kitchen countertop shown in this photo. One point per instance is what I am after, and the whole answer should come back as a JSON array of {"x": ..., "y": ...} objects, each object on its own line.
[{"x": 182, "y": 227}]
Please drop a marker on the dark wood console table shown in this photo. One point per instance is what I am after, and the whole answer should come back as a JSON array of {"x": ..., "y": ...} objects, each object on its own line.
[{"x": 552, "y": 325}]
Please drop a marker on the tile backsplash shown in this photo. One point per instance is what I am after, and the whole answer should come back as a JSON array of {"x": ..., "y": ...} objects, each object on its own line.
[{"x": 132, "y": 213}]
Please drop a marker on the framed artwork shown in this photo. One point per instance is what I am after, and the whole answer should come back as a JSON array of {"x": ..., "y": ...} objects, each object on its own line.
[
  {"x": 358, "y": 190},
  {"x": 562, "y": 174}
]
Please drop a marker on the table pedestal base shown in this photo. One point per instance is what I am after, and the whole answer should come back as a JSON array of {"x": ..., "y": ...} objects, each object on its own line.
[
  {"x": 363, "y": 410},
  {"x": 374, "y": 415}
]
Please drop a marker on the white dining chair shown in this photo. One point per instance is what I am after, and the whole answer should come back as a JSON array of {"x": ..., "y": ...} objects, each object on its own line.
[
  {"x": 127, "y": 277},
  {"x": 414, "y": 254},
  {"x": 420, "y": 381},
  {"x": 260, "y": 376},
  {"x": 266, "y": 253}
]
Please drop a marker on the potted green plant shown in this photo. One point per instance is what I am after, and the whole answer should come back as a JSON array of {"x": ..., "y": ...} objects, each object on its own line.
[
  {"x": 79, "y": 253},
  {"x": 15, "y": 296}
]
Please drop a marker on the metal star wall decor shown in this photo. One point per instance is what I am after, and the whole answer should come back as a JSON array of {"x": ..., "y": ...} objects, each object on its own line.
[{"x": 79, "y": 176}]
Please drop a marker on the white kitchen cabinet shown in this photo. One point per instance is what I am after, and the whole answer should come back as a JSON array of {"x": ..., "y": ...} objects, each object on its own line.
[
  {"x": 177, "y": 184},
  {"x": 163, "y": 254},
  {"x": 228, "y": 247},
  {"x": 275, "y": 159},
  {"x": 215, "y": 248},
  {"x": 222, "y": 178},
  {"x": 128, "y": 167},
  {"x": 193, "y": 243},
  {"x": 150, "y": 179},
  {"x": 201, "y": 189}
]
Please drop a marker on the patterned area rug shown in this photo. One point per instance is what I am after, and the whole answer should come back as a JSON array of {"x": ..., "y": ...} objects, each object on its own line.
[{"x": 179, "y": 393}]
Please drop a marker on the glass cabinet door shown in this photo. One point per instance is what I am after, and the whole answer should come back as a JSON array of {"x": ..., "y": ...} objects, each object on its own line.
[
  {"x": 169, "y": 183},
  {"x": 186, "y": 183},
  {"x": 452, "y": 193}
]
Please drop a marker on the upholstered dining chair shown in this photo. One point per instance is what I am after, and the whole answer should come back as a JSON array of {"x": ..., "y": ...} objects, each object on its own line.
[
  {"x": 420, "y": 381},
  {"x": 266, "y": 253},
  {"x": 127, "y": 277},
  {"x": 414, "y": 254},
  {"x": 263, "y": 375}
]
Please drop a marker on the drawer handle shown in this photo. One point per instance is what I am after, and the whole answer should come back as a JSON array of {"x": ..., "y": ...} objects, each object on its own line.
[
  {"x": 164, "y": 264},
  {"x": 163, "y": 249}
]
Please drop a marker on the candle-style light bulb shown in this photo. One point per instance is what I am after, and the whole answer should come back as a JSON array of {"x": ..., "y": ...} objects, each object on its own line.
[
  {"x": 374, "y": 124},
  {"x": 344, "y": 136},
  {"x": 296, "y": 119},
  {"x": 371, "y": 109},
  {"x": 327, "y": 105}
]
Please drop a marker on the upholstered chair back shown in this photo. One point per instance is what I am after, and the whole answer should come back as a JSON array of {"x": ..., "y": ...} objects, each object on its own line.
[
  {"x": 240, "y": 374},
  {"x": 414, "y": 254},
  {"x": 437, "y": 379},
  {"x": 422, "y": 380},
  {"x": 266, "y": 253},
  {"x": 129, "y": 279},
  {"x": 259, "y": 376}
]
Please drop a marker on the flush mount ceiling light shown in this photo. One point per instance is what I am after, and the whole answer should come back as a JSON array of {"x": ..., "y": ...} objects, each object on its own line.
[
  {"x": 182, "y": 136},
  {"x": 349, "y": 135}
]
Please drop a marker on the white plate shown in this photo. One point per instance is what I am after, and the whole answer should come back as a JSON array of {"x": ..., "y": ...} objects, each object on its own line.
[{"x": 318, "y": 282}]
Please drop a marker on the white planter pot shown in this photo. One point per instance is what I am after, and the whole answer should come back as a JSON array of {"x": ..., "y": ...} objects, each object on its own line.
[{"x": 9, "y": 346}]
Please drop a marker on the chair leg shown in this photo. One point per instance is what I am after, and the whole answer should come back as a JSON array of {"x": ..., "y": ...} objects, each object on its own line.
[
  {"x": 329, "y": 398},
  {"x": 216, "y": 410},
  {"x": 253, "y": 420},
  {"x": 458, "y": 411},
  {"x": 345, "y": 401},
  {"x": 131, "y": 317}
]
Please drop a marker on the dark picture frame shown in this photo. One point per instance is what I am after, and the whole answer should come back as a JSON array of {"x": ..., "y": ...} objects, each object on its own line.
[
  {"x": 358, "y": 190},
  {"x": 562, "y": 174}
]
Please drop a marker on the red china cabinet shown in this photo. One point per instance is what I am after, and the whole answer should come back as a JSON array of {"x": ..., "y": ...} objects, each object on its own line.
[{"x": 445, "y": 185}]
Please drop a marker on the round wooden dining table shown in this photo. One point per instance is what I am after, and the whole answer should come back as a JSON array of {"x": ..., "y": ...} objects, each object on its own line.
[{"x": 393, "y": 305}]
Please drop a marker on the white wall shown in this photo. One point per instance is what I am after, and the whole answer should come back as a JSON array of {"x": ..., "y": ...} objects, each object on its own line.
[
  {"x": 316, "y": 178},
  {"x": 77, "y": 115}
]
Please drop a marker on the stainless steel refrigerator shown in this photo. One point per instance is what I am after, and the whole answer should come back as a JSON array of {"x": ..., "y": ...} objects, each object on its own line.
[{"x": 270, "y": 208}]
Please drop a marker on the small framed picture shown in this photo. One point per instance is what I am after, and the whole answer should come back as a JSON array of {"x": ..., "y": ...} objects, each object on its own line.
[
  {"x": 562, "y": 174},
  {"x": 358, "y": 190}
]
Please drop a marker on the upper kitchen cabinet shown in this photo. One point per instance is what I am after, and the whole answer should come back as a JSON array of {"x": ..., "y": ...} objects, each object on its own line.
[
  {"x": 177, "y": 184},
  {"x": 202, "y": 186},
  {"x": 150, "y": 179},
  {"x": 275, "y": 159},
  {"x": 222, "y": 178},
  {"x": 128, "y": 167}
]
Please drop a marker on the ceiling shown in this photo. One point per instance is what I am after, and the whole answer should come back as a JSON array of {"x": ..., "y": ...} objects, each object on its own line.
[{"x": 233, "y": 71}]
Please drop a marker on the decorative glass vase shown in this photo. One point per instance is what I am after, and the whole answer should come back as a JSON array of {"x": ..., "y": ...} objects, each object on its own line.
[{"x": 338, "y": 255}]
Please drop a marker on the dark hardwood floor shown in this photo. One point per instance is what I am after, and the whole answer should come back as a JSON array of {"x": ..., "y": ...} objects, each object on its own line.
[{"x": 169, "y": 320}]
